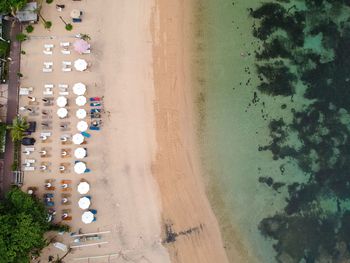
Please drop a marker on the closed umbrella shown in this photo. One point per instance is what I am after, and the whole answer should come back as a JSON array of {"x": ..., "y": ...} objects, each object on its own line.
[
  {"x": 83, "y": 188},
  {"x": 75, "y": 13},
  {"x": 61, "y": 101},
  {"x": 80, "y": 153},
  {"x": 81, "y": 46},
  {"x": 84, "y": 202},
  {"x": 82, "y": 126},
  {"x": 79, "y": 167},
  {"x": 81, "y": 114},
  {"x": 87, "y": 217},
  {"x": 80, "y": 100},
  {"x": 78, "y": 138},
  {"x": 80, "y": 64},
  {"x": 62, "y": 112},
  {"x": 79, "y": 88}
]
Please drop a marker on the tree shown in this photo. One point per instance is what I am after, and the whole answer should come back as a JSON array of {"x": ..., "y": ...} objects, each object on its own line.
[
  {"x": 47, "y": 24},
  {"x": 12, "y": 6},
  {"x": 18, "y": 127},
  {"x": 4, "y": 48},
  {"x": 23, "y": 222},
  {"x": 21, "y": 37}
]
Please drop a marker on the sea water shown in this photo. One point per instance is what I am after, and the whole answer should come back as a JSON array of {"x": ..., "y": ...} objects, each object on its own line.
[{"x": 233, "y": 123}]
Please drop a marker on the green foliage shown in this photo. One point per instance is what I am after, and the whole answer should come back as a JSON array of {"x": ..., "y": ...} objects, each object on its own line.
[
  {"x": 69, "y": 27},
  {"x": 21, "y": 37},
  {"x": 29, "y": 29},
  {"x": 11, "y": 6},
  {"x": 4, "y": 48},
  {"x": 3, "y": 128},
  {"x": 85, "y": 37},
  {"x": 18, "y": 127},
  {"x": 47, "y": 24},
  {"x": 23, "y": 222},
  {"x": 23, "y": 52},
  {"x": 49, "y": 1}
]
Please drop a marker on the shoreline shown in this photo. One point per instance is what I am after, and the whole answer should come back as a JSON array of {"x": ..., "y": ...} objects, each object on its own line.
[{"x": 192, "y": 236}]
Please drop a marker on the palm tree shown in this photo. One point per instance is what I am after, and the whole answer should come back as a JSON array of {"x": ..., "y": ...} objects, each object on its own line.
[
  {"x": 18, "y": 127},
  {"x": 47, "y": 24}
]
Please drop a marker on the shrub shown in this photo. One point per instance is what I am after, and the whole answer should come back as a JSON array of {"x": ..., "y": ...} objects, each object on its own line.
[
  {"x": 29, "y": 29},
  {"x": 69, "y": 27},
  {"x": 49, "y": 1},
  {"x": 21, "y": 37},
  {"x": 48, "y": 24}
]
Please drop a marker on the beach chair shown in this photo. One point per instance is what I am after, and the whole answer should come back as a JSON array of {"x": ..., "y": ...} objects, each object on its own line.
[
  {"x": 48, "y": 92},
  {"x": 65, "y": 52},
  {"x": 87, "y": 170},
  {"x": 66, "y": 69},
  {"x": 47, "y": 70},
  {"x": 94, "y": 211},
  {"x": 77, "y": 20},
  {"x": 63, "y": 86},
  {"x": 48, "y": 64},
  {"x": 47, "y": 52},
  {"x": 85, "y": 134},
  {"x": 25, "y": 91},
  {"x": 94, "y": 128},
  {"x": 48, "y": 195},
  {"x": 65, "y": 44},
  {"x": 48, "y": 46},
  {"x": 65, "y": 199},
  {"x": 50, "y": 204},
  {"x": 66, "y": 63},
  {"x": 31, "y": 161},
  {"x": 95, "y": 99},
  {"x": 28, "y": 168},
  {"x": 88, "y": 51}
]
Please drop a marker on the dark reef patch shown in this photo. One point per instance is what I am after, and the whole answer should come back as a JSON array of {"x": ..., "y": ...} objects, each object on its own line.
[{"x": 314, "y": 226}]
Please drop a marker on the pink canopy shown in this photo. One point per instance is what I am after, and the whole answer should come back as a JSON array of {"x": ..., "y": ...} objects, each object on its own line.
[{"x": 81, "y": 46}]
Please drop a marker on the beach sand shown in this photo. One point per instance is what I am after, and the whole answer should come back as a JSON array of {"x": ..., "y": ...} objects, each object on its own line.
[{"x": 145, "y": 172}]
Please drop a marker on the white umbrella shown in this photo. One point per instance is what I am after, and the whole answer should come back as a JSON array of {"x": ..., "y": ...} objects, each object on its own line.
[
  {"x": 80, "y": 64},
  {"x": 83, "y": 188},
  {"x": 82, "y": 126},
  {"x": 84, "y": 202},
  {"x": 80, "y": 100},
  {"x": 87, "y": 217},
  {"x": 80, "y": 153},
  {"x": 78, "y": 138},
  {"x": 79, "y": 167},
  {"x": 62, "y": 112},
  {"x": 81, "y": 114},
  {"x": 61, "y": 101},
  {"x": 79, "y": 88}
]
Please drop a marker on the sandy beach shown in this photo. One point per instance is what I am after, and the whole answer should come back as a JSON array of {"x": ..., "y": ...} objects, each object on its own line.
[{"x": 145, "y": 173}]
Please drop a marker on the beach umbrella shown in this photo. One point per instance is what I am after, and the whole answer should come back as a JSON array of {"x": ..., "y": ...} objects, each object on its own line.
[
  {"x": 81, "y": 46},
  {"x": 84, "y": 202},
  {"x": 80, "y": 64},
  {"x": 78, "y": 138},
  {"x": 80, "y": 153},
  {"x": 79, "y": 88},
  {"x": 61, "y": 101},
  {"x": 75, "y": 13},
  {"x": 83, "y": 188},
  {"x": 62, "y": 112},
  {"x": 80, "y": 100},
  {"x": 81, "y": 114},
  {"x": 79, "y": 167},
  {"x": 87, "y": 217},
  {"x": 82, "y": 126}
]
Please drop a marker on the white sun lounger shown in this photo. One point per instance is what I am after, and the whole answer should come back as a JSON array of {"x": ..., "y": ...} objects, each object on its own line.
[
  {"x": 29, "y": 149},
  {"x": 29, "y": 160},
  {"x": 47, "y": 69},
  {"x": 48, "y": 46},
  {"x": 66, "y": 69},
  {"x": 66, "y": 63},
  {"x": 65, "y": 52},
  {"x": 48, "y": 92},
  {"x": 49, "y": 86},
  {"x": 29, "y": 168},
  {"x": 25, "y": 91},
  {"x": 46, "y": 52},
  {"x": 65, "y": 86},
  {"x": 64, "y": 44},
  {"x": 87, "y": 51},
  {"x": 48, "y": 64}
]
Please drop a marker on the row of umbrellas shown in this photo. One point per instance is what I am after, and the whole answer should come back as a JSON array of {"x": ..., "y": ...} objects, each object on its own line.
[
  {"x": 62, "y": 101},
  {"x": 85, "y": 202}
]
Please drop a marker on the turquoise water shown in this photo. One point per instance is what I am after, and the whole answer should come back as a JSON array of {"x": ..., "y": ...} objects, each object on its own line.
[{"x": 232, "y": 127}]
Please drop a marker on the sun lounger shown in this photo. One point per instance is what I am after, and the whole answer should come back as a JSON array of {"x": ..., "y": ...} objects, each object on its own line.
[
  {"x": 64, "y": 44},
  {"x": 77, "y": 20},
  {"x": 46, "y": 70},
  {"x": 29, "y": 160},
  {"x": 66, "y": 69},
  {"x": 50, "y": 86},
  {"x": 95, "y": 99},
  {"x": 47, "y": 92},
  {"x": 65, "y": 52},
  {"x": 95, "y": 104},
  {"x": 63, "y": 86},
  {"x": 48, "y": 46},
  {"x": 29, "y": 149},
  {"x": 25, "y": 91},
  {"x": 46, "y": 52},
  {"x": 94, "y": 128},
  {"x": 48, "y": 64},
  {"x": 48, "y": 195},
  {"x": 50, "y": 204},
  {"x": 88, "y": 51},
  {"x": 94, "y": 211},
  {"x": 85, "y": 134},
  {"x": 66, "y": 63},
  {"x": 29, "y": 168},
  {"x": 87, "y": 170}
]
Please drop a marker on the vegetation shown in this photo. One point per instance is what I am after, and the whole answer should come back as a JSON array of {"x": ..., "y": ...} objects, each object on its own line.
[
  {"x": 49, "y": 1},
  {"x": 47, "y": 24},
  {"x": 85, "y": 37},
  {"x": 21, "y": 37},
  {"x": 12, "y": 6},
  {"x": 29, "y": 29},
  {"x": 69, "y": 27},
  {"x": 3, "y": 129},
  {"x": 18, "y": 128},
  {"x": 23, "y": 222},
  {"x": 4, "y": 48}
]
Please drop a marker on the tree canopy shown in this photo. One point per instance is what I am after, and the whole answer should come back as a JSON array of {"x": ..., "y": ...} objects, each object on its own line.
[
  {"x": 12, "y": 6},
  {"x": 23, "y": 222}
]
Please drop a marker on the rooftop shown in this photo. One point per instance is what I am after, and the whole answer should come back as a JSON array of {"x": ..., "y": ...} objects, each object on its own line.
[{"x": 27, "y": 14}]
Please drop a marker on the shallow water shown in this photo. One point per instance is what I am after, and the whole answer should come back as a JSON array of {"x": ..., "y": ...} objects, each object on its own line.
[{"x": 234, "y": 123}]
